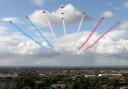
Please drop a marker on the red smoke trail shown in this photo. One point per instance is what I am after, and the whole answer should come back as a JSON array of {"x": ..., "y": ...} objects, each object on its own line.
[
  {"x": 102, "y": 36},
  {"x": 97, "y": 25}
]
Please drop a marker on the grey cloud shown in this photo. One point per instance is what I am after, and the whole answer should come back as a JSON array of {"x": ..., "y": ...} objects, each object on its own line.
[{"x": 64, "y": 59}]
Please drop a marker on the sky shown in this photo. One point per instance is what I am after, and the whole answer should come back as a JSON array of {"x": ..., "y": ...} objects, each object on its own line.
[{"x": 16, "y": 49}]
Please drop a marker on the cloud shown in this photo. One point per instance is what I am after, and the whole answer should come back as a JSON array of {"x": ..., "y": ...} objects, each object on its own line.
[
  {"x": 64, "y": 59},
  {"x": 72, "y": 16},
  {"x": 111, "y": 43},
  {"x": 108, "y": 14},
  {"x": 16, "y": 50},
  {"x": 15, "y": 43},
  {"x": 13, "y": 19},
  {"x": 115, "y": 42},
  {"x": 125, "y": 4}
]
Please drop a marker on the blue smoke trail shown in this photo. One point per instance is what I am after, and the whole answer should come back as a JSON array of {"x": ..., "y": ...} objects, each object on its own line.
[
  {"x": 39, "y": 32},
  {"x": 26, "y": 34}
]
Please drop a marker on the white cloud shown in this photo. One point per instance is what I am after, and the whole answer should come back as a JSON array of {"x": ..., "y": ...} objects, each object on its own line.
[
  {"x": 73, "y": 41},
  {"x": 113, "y": 43},
  {"x": 17, "y": 50},
  {"x": 71, "y": 15},
  {"x": 13, "y": 19},
  {"x": 109, "y": 44},
  {"x": 21, "y": 45},
  {"x": 108, "y": 14},
  {"x": 125, "y": 4},
  {"x": 15, "y": 43}
]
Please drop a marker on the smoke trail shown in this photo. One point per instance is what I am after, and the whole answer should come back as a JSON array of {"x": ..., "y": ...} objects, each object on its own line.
[
  {"x": 50, "y": 26},
  {"x": 97, "y": 25},
  {"x": 81, "y": 21},
  {"x": 19, "y": 29},
  {"x": 79, "y": 27},
  {"x": 102, "y": 36},
  {"x": 39, "y": 32},
  {"x": 64, "y": 28}
]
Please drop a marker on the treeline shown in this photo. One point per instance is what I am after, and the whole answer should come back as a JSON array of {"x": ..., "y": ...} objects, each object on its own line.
[{"x": 33, "y": 81}]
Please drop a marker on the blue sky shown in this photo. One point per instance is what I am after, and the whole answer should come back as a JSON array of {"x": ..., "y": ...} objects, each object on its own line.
[
  {"x": 14, "y": 45},
  {"x": 92, "y": 7}
]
